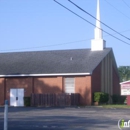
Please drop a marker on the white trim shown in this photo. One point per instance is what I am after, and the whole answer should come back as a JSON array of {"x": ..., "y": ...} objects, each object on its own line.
[
  {"x": 35, "y": 75},
  {"x": 125, "y": 82}
]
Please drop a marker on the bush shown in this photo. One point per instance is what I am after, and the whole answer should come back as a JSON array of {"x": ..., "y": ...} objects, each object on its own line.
[
  {"x": 104, "y": 98},
  {"x": 122, "y": 99},
  {"x": 115, "y": 98},
  {"x": 100, "y": 97},
  {"x": 118, "y": 99},
  {"x": 27, "y": 101}
]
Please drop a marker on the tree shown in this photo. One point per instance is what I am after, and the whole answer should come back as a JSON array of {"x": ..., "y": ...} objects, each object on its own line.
[{"x": 124, "y": 73}]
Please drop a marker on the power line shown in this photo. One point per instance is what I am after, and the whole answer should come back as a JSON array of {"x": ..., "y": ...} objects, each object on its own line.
[
  {"x": 55, "y": 44},
  {"x": 46, "y": 45},
  {"x": 120, "y": 32},
  {"x": 97, "y": 19},
  {"x": 90, "y": 22},
  {"x": 126, "y": 4},
  {"x": 78, "y": 40},
  {"x": 117, "y": 9}
]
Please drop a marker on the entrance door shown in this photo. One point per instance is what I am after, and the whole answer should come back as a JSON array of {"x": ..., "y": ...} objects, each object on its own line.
[
  {"x": 13, "y": 97},
  {"x": 16, "y": 97},
  {"x": 20, "y": 93}
]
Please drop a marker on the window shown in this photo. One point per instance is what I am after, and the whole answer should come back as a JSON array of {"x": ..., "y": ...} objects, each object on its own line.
[{"x": 69, "y": 84}]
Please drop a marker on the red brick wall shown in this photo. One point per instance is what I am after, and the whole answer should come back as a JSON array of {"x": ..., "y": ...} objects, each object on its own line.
[
  {"x": 1, "y": 91},
  {"x": 48, "y": 85},
  {"x": 96, "y": 79},
  {"x": 83, "y": 86},
  {"x": 116, "y": 81},
  {"x": 56, "y": 85}
]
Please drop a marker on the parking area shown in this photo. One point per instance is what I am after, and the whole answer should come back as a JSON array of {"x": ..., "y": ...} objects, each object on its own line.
[{"x": 74, "y": 118}]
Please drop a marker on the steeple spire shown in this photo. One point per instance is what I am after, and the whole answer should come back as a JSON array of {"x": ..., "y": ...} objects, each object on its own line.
[
  {"x": 98, "y": 31},
  {"x": 98, "y": 15},
  {"x": 98, "y": 43}
]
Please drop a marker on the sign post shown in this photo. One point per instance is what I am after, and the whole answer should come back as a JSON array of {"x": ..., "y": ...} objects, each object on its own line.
[{"x": 6, "y": 115}]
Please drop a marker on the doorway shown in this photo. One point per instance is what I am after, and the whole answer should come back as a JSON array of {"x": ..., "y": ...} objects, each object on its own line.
[{"x": 16, "y": 97}]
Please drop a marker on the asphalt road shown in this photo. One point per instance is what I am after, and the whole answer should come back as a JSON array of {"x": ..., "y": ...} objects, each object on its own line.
[{"x": 90, "y": 118}]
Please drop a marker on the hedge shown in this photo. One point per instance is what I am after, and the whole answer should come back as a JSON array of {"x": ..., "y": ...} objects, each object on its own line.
[{"x": 118, "y": 99}]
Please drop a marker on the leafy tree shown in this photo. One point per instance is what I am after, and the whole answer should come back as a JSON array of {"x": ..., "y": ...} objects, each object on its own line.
[{"x": 124, "y": 73}]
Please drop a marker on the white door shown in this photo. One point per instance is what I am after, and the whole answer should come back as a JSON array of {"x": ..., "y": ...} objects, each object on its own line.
[
  {"x": 20, "y": 101},
  {"x": 16, "y": 97},
  {"x": 13, "y": 97}
]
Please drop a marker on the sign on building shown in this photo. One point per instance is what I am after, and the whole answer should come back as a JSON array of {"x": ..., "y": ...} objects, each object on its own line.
[{"x": 125, "y": 89}]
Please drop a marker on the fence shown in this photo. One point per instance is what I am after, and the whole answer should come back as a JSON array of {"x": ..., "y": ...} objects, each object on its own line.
[{"x": 55, "y": 99}]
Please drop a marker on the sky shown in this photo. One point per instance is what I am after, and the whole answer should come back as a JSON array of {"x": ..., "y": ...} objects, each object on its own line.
[{"x": 38, "y": 25}]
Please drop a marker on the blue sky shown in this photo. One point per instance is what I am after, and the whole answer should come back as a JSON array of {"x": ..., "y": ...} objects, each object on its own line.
[{"x": 32, "y": 25}]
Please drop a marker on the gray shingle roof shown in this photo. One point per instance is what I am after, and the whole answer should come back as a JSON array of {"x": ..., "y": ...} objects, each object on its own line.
[{"x": 51, "y": 62}]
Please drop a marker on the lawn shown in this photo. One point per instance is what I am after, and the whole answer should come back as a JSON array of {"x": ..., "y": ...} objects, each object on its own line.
[{"x": 116, "y": 106}]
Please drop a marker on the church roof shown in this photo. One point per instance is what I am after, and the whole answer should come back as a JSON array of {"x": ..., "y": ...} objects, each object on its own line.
[{"x": 51, "y": 62}]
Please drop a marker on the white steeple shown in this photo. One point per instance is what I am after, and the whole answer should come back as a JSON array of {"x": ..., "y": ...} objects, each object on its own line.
[{"x": 98, "y": 43}]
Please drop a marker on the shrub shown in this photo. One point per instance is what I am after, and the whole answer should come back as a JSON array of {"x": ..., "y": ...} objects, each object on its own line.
[
  {"x": 100, "y": 97},
  {"x": 118, "y": 99},
  {"x": 115, "y": 98},
  {"x": 104, "y": 97},
  {"x": 96, "y": 96},
  {"x": 27, "y": 101},
  {"x": 122, "y": 99}
]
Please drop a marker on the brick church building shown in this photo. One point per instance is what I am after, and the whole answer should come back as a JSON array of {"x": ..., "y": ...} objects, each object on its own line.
[{"x": 82, "y": 71}]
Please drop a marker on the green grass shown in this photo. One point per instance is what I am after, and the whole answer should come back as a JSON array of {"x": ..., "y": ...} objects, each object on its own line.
[{"x": 116, "y": 106}]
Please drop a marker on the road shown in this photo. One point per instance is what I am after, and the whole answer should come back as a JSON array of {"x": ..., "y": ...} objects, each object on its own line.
[{"x": 74, "y": 118}]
